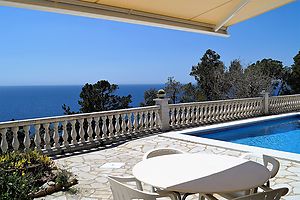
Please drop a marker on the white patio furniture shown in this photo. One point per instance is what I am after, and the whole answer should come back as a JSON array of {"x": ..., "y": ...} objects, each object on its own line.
[
  {"x": 201, "y": 173},
  {"x": 123, "y": 191},
  {"x": 270, "y": 163},
  {"x": 160, "y": 152},
  {"x": 275, "y": 164},
  {"x": 266, "y": 195}
]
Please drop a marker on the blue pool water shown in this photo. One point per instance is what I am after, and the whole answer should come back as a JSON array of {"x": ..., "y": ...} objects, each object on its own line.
[{"x": 281, "y": 134}]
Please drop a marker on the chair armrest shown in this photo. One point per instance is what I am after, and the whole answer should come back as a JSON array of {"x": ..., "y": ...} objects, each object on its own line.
[
  {"x": 265, "y": 188},
  {"x": 209, "y": 197},
  {"x": 129, "y": 179}
]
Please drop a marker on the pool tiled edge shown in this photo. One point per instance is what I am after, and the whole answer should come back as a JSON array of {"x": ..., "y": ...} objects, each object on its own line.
[{"x": 183, "y": 135}]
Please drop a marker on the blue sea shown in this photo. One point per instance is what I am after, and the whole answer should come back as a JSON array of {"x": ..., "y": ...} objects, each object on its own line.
[{"x": 25, "y": 102}]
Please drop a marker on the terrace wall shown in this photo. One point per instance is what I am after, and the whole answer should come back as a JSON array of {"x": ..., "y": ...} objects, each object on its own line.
[{"x": 62, "y": 134}]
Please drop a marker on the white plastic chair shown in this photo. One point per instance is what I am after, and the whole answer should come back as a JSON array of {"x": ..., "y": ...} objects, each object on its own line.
[
  {"x": 267, "y": 161},
  {"x": 266, "y": 195},
  {"x": 161, "y": 152},
  {"x": 122, "y": 191}
]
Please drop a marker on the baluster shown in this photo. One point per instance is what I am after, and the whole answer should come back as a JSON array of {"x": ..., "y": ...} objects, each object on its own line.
[
  {"x": 172, "y": 118},
  {"x": 217, "y": 112},
  {"x": 226, "y": 111},
  {"x": 4, "y": 144},
  {"x": 196, "y": 120},
  {"x": 104, "y": 127},
  {"x": 188, "y": 115},
  {"x": 81, "y": 131},
  {"x": 97, "y": 128},
  {"x": 90, "y": 129},
  {"x": 141, "y": 120},
  {"x": 151, "y": 121},
  {"x": 117, "y": 126},
  {"x": 178, "y": 116},
  {"x": 74, "y": 132},
  {"x": 146, "y": 120},
  {"x": 222, "y": 111},
  {"x": 135, "y": 122},
  {"x": 65, "y": 135},
  {"x": 232, "y": 109},
  {"x": 47, "y": 136},
  {"x": 157, "y": 120},
  {"x": 26, "y": 141},
  {"x": 123, "y": 123},
  {"x": 239, "y": 110},
  {"x": 209, "y": 113},
  {"x": 183, "y": 119},
  {"x": 56, "y": 135},
  {"x": 214, "y": 112},
  {"x": 249, "y": 108},
  {"x": 129, "y": 123},
  {"x": 245, "y": 109},
  {"x": 235, "y": 110},
  {"x": 205, "y": 114},
  {"x": 242, "y": 110},
  {"x": 256, "y": 108},
  {"x": 15, "y": 142},
  {"x": 200, "y": 117},
  {"x": 110, "y": 126},
  {"x": 37, "y": 137},
  {"x": 192, "y": 115}
]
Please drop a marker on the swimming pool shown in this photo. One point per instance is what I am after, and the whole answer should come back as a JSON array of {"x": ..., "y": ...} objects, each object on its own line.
[{"x": 279, "y": 134}]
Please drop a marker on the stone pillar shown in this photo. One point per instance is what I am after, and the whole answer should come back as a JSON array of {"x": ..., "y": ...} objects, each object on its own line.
[
  {"x": 265, "y": 96},
  {"x": 164, "y": 110}
]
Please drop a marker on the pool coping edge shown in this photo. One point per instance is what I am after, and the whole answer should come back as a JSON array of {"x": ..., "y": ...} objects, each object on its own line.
[{"x": 183, "y": 135}]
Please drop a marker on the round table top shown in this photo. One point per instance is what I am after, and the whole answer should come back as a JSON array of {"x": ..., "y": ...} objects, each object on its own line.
[{"x": 201, "y": 173}]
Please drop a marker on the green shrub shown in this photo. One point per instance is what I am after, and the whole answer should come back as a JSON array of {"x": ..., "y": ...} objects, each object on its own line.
[
  {"x": 23, "y": 173},
  {"x": 63, "y": 177},
  {"x": 14, "y": 186}
]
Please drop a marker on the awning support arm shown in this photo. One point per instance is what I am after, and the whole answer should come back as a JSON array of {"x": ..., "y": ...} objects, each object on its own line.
[{"x": 242, "y": 4}]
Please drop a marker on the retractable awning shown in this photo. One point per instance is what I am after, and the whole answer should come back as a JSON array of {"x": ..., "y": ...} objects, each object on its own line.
[{"x": 202, "y": 16}]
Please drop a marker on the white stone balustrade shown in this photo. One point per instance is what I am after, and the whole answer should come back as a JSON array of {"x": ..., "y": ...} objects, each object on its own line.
[
  {"x": 69, "y": 133},
  {"x": 208, "y": 112},
  {"x": 283, "y": 104},
  {"x": 55, "y": 135}
]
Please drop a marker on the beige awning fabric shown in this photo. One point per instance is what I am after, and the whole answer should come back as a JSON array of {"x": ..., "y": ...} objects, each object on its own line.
[{"x": 203, "y": 16}]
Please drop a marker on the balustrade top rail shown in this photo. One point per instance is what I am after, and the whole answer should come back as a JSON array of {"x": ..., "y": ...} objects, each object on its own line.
[
  {"x": 27, "y": 122},
  {"x": 217, "y": 102},
  {"x": 286, "y": 96}
]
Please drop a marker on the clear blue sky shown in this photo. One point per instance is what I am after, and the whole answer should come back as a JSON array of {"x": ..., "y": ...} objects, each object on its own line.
[{"x": 40, "y": 48}]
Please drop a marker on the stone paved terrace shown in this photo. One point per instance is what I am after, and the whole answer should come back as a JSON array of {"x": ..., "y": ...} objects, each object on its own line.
[{"x": 92, "y": 177}]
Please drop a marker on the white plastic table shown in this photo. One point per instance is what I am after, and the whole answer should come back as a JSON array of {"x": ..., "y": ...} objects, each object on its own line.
[{"x": 201, "y": 173}]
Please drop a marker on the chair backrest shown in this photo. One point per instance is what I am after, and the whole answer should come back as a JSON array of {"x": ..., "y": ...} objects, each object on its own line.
[
  {"x": 161, "y": 152},
  {"x": 269, "y": 195},
  {"x": 275, "y": 164},
  {"x": 123, "y": 191}
]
